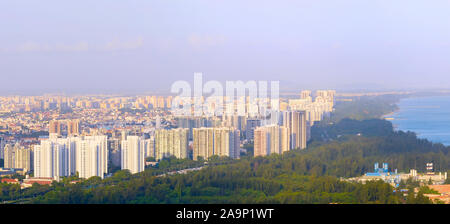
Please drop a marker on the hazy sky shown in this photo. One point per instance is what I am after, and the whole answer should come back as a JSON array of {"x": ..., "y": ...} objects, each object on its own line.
[{"x": 105, "y": 45}]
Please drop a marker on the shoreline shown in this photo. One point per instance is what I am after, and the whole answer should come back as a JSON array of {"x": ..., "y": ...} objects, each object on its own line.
[
  {"x": 390, "y": 114},
  {"x": 390, "y": 117}
]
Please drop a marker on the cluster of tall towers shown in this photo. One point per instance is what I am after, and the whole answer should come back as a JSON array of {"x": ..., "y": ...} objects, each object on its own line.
[
  {"x": 209, "y": 142},
  {"x": 290, "y": 133},
  {"x": 165, "y": 143},
  {"x": 72, "y": 127},
  {"x": 58, "y": 157},
  {"x": 316, "y": 109},
  {"x": 17, "y": 156}
]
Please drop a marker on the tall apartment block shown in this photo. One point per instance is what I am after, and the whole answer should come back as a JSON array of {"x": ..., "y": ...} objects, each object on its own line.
[
  {"x": 216, "y": 141},
  {"x": 58, "y": 157},
  {"x": 173, "y": 142},
  {"x": 133, "y": 153},
  {"x": 271, "y": 139},
  {"x": 295, "y": 121}
]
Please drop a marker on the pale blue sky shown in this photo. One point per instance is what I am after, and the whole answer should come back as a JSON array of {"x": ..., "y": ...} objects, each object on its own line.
[{"x": 123, "y": 46}]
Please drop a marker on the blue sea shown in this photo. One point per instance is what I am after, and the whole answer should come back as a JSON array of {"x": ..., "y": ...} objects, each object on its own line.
[{"x": 429, "y": 117}]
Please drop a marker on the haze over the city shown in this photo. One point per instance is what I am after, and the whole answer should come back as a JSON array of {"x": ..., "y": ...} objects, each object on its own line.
[{"x": 117, "y": 46}]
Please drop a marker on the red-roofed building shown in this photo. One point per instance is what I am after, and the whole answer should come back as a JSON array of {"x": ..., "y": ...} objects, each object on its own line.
[
  {"x": 42, "y": 181},
  {"x": 10, "y": 181},
  {"x": 444, "y": 193},
  {"x": 443, "y": 189}
]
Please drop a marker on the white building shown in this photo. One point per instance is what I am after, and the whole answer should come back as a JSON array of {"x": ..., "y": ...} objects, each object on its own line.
[
  {"x": 58, "y": 157},
  {"x": 91, "y": 156},
  {"x": 133, "y": 154},
  {"x": 53, "y": 158},
  {"x": 172, "y": 142}
]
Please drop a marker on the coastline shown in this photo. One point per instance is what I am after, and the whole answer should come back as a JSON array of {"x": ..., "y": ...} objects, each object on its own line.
[
  {"x": 390, "y": 114},
  {"x": 391, "y": 117},
  {"x": 396, "y": 110}
]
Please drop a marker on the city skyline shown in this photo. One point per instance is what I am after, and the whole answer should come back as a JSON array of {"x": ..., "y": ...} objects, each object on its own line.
[
  {"x": 213, "y": 102},
  {"x": 57, "y": 137}
]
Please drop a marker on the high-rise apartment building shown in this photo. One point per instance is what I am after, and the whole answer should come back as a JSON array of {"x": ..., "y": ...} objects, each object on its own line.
[
  {"x": 203, "y": 143},
  {"x": 133, "y": 153},
  {"x": 91, "y": 156},
  {"x": 8, "y": 160},
  {"x": 114, "y": 155},
  {"x": 54, "y": 157},
  {"x": 305, "y": 94},
  {"x": 315, "y": 110},
  {"x": 2, "y": 147},
  {"x": 161, "y": 102},
  {"x": 173, "y": 142},
  {"x": 73, "y": 127},
  {"x": 216, "y": 141},
  {"x": 193, "y": 122},
  {"x": 295, "y": 121},
  {"x": 227, "y": 142},
  {"x": 150, "y": 147},
  {"x": 271, "y": 139},
  {"x": 22, "y": 158},
  {"x": 250, "y": 128},
  {"x": 326, "y": 96},
  {"x": 260, "y": 143},
  {"x": 58, "y": 157},
  {"x": 169, "y": 102},
  {"x": 54, "y": 127},
  {"x": 234, "y": 121},
  {"x": 17, "y": 156}
]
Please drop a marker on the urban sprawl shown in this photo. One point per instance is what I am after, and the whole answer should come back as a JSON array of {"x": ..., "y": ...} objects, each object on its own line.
[{"x": 49, "y": 137}]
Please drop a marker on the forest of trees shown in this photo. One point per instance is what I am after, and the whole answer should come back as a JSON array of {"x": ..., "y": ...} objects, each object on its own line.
[
  {"x": 299, "y": 176},
  {"x": 221, "y": 185},
  {"x": 365, "y": 107}
]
